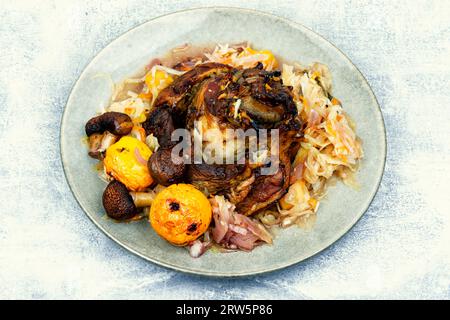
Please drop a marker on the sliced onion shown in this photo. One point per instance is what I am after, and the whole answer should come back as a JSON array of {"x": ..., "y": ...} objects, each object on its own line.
[
  {"x": 314, "y": 118},
  {"x": 168, "y": 70},
  {"x": 234, "y": 230},
  {"x": 183, "y": 47},
  {"x": 153, "y": 63},
  {"x": 297, "y": 173},
  {"x": 238, "y": 229},
  {"x": 222, "y": 215},
  {"x": 139, "y": 157},
  {"x": 245, "y": 242},
  {"x": 219, "y": 231},
  {"x": 197, "y": 248},
  {"x": 254, "y": 227},
  {"x": 108, "y": 140}
]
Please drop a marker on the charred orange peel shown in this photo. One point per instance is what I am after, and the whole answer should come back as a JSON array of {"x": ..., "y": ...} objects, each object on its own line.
[
  {"x": 180, "y": 214},
  {"x": 126, "y": 160}
]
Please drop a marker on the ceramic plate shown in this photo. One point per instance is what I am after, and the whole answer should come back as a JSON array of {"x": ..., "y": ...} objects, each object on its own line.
[{"x": 125, "y": 56}]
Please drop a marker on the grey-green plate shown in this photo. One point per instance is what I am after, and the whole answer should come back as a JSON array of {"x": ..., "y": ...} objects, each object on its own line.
[{"x": 125, "y": 56}]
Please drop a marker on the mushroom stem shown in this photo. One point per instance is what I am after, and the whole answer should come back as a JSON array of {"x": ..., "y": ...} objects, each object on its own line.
[
  {"x": 142, "y": 199},
  {"x": 95, "y": 142},
  {"x": 99, "y": 142},
  {"x": 108, "y": 140}
]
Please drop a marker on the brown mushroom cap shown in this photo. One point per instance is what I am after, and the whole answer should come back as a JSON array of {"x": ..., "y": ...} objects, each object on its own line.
[
  {"x": 115, "y": 122},
  {"x": 118, "y": 202},
  {"x": 163, "y": 170}
]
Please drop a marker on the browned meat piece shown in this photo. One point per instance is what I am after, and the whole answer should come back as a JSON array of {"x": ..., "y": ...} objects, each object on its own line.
[
  {"x": 264, "y": 191},
  {"x": 269, "y": 188},
  {"x": 174, "y": 93},
  {"x": 214, "y": 97},
  {"x": 160, "y": 124},
  {"x": 210, "y": 93},
  {"x": 262, "y": 97},
  {"x": 171, "y": 106},
  {"x": 268, "y": 100},
  {"x": 211, "y": 99},
  {"x": 163, "y": 169},
  {"x": 238, "y": 193},
  {"x": 216, "y": 178}
]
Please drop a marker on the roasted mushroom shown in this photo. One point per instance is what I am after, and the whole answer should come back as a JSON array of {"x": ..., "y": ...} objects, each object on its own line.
[
  {"x": 165, "y": 170},
  {"x": 104, "y": 130},
  {"x": 117, "y": 123},
  {"x": 120, "y": 204}
]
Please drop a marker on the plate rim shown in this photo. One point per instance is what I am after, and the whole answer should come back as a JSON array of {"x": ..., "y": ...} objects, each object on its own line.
[{"x": 194, "y": 271}]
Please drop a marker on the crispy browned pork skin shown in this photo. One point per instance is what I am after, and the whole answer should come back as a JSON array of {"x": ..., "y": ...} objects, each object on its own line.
[
  {"x": 210, "y": 91},
  {"x": 267, "y": 189},
  {"x": 216, "y": 178},
  {"x": 172, "y": 95}
]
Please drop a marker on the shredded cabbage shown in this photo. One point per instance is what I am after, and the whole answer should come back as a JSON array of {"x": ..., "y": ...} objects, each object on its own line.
[
  {"x": 329, "y": 145},
  {"x": 245, "y": 57}
]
